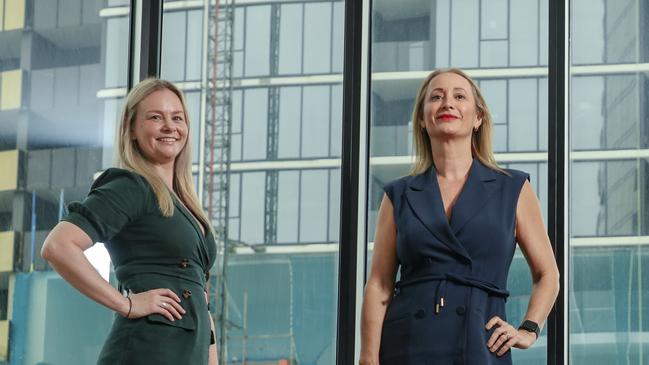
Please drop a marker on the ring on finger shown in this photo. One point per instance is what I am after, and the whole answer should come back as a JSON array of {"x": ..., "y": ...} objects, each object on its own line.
[{"x": 164, "y": 304}]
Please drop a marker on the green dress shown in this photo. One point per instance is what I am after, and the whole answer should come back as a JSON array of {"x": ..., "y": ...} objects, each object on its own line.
[{"x": 150, "y": 251}]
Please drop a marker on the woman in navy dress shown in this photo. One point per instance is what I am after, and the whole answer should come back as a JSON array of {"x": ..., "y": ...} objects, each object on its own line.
[{"x": 451, "y": 229}]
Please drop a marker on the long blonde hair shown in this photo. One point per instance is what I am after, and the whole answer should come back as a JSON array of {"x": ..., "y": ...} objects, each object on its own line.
[
  {"x": 481, "y": 147},
  {"x": 131, "y": 158}
]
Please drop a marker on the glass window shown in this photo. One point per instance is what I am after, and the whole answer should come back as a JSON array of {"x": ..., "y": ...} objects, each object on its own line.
[
  {"x": 234, "y": 211},
  {"x": 313, "y": 206},
  {"x": 69, "y": 13},
  {"x": 315, "y": 121},
  {"x": 290, "y": 39},
  {"x": 173, "y": 46},
  {"x": 337, "y": 37},
  {"x": 236, "y": 127},
  {"x": 59, "y": 60},
  {"x": 524, "y": 33},
  {"x": 493, "y": 20},
  {"x": 287, "y": 206},
  {"x": 194, "y": 45},
  {"x": 286, "y": 201},
  {"x": 193, "y": 101},
  {"x": 255, "y": 123},
  {"x": 587, "y": 114},
  {"x": 116, "y": 51},
  {"x": 608, "y": 183},
  {"x": 336, "y": 120},
  {"x": 289, "y": 122},
  {"x": 523, "y": 131},
  {"x": 334, "y": 199},
  {"x": 464, "y": 33},
  {"x": 317, "y": 38},
  {"x": 252, "y": 207},
  {"x": 493, "y": 53},
  {"x": 257, "y": 41}
]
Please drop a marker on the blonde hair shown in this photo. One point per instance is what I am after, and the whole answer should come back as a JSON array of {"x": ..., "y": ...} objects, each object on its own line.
[
  {"x": 131, "y": 158},
  {"x": 481, "y": 147}
]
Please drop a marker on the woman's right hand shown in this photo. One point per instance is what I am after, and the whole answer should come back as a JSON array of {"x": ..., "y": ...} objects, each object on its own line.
[{"x": 160, "y": 301}]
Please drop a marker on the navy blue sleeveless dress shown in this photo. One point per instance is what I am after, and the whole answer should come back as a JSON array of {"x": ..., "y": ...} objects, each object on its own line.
[{"x": 453, "y": 275}]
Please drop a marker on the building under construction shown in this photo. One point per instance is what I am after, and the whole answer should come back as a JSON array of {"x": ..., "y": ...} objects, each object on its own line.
[{"x": 263, "y": 81}]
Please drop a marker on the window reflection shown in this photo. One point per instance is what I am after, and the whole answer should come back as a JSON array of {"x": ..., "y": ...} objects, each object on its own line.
[
  {"x": 59, "y": 66},
  {"x": 608, "y": 187}
]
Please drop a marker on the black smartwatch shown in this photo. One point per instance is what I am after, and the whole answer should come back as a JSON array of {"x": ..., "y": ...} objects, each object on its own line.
[{"x": 530, "y": 326}]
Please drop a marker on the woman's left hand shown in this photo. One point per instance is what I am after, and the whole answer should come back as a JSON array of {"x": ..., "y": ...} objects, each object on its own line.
[{"x": 506, "y": 336}]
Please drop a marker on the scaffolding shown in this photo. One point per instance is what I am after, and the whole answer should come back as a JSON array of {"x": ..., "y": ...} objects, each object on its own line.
[
  {"x": 272, "y": 136},
  {"x": 216, "y": 166},
  {"x": 218, "y": 125}
]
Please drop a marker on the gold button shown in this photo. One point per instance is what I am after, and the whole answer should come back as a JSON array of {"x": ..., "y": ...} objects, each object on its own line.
[{"x": 187, "y": 293}]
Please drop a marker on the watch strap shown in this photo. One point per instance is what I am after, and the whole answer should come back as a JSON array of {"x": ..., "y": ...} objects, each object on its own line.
[{"x": 530, "y": 326}]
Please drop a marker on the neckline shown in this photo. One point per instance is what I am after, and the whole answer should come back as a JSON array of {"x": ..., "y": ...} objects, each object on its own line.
[
  {"x": 449, "y": 220},
  {"x": 204, "y": 232}
]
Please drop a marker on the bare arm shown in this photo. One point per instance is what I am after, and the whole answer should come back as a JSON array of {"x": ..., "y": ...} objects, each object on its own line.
[
  {"x": 535, "y": 245},
  {"x": 380, "y": 284},
  {"x": 64, "y": 247}
]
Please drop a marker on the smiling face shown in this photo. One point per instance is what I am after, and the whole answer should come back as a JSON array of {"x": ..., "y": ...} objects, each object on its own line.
[
  {"x": 160, "y": 127},
  {"x": 449, "y": 108}
]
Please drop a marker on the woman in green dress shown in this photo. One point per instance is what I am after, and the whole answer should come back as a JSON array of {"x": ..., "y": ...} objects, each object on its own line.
[{"x": 149, "y": 217}]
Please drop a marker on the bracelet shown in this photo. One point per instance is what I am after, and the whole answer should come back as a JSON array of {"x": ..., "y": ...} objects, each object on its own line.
[{"x": 130, "y": 306}]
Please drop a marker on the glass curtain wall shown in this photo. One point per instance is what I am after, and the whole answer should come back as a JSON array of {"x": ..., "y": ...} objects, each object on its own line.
[
  {"x": 63, "y": 69},
  {"x": 609, "y": 183},
  {"x": 503, "y": 45},
  {"x": 280, "y": 278}
]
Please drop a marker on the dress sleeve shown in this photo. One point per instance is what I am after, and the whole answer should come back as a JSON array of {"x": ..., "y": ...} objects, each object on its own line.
[
  {"x": 116, "y": 198},
  {"x": 391, "y": 191}
]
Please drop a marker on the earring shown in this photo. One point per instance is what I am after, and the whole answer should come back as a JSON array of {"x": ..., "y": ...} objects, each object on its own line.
[{"x": 475, "y": 129}]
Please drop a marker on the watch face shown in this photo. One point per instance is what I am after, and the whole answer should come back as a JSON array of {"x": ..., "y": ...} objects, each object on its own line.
[{"x": 531, "y": 327}]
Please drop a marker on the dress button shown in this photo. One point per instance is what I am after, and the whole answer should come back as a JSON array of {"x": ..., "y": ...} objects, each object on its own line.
[
  {"x": 184, "y": 263},
  {"x": 420, "y": 313},
  {"x": 460, "y": 310},
  {"x": 187, "y": 293}
]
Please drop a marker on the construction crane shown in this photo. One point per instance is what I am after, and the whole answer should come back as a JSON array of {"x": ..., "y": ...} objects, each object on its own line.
[{"x": 218, "y": 126}]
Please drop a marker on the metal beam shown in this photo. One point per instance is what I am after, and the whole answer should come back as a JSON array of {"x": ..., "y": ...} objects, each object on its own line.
[
  {"x": 145, "y": 33},
  {"x": 349, "y": 182},
  {"x": 558, "y": 77}
]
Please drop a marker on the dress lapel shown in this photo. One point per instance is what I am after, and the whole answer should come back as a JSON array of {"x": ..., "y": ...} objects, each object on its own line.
[
  {"x": 194, "y": 224},
  {"x": 479, "y": 186},
  {"x": 425, "y": 200}
]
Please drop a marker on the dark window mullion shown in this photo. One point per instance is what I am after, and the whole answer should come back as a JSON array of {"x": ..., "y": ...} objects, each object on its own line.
[
  {"x": 558, "y": 64},
  {"x": 349, "y": 182},
  {"x": 150, "y": 40}
]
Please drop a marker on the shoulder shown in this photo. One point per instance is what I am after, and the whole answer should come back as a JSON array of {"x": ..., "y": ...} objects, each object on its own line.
[
  {"x": 396, "y": 188},
  {"x": 517, "y": 176},
  {"x": 121, "y": 179},
  {"x": 515, "y": 180},
  {"x": 398, "y": 184}
]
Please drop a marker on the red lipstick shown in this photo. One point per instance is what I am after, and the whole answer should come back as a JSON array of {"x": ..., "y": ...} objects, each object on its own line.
[{"x": 446, "y": 117}]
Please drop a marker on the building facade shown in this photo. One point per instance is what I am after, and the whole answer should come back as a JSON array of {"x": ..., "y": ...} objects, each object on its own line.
[{"x": 63, "y": 75}]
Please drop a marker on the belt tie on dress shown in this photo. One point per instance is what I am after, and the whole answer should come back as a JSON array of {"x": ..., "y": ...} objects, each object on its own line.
[{"x": 440, "y": 293}]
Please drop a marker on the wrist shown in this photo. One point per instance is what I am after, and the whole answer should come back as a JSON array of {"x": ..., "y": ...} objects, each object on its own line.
[
  {"x": 125, "y": 307},
  {"x": 531, "y": 327}
]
